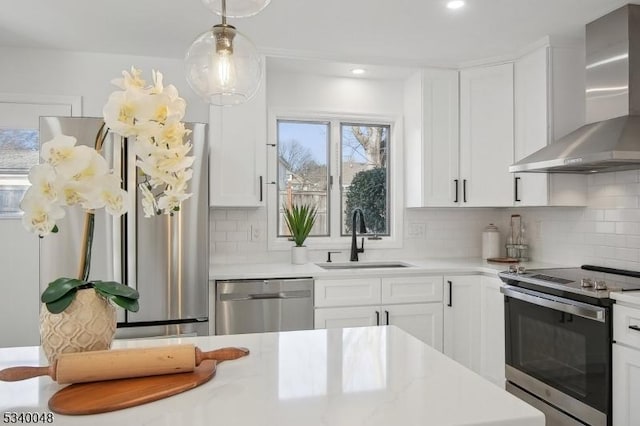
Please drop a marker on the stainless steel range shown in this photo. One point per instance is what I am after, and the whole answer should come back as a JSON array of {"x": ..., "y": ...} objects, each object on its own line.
[{"x": 558, "y": 339}]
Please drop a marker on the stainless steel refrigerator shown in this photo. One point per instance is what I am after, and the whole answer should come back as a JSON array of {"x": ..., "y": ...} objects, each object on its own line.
[{"x": 166, "y": 258}]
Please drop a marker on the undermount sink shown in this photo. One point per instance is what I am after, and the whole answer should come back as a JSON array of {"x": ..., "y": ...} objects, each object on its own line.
[{"x": 363, "y": 265}]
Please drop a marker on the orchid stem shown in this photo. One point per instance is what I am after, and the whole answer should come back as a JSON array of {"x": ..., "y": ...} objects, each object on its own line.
[{"x": 87, "y": 242}]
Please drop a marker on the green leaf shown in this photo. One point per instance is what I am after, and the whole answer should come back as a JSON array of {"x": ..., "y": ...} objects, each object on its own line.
[
  {"x": 124, "y": 302},
  {"x": 117, "y": 289},
  {"x": 54, "y": 229},
  {"x": 60, "y": 304},
  {"x": 300, "y": 221},
  {"x": 59, "y": 288}
]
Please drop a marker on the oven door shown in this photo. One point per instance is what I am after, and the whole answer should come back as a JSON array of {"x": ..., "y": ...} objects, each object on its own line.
[{"x": 562, "y": 343}]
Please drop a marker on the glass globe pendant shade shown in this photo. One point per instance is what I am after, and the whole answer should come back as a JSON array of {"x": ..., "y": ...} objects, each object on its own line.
[
  {"x": 223, "y": 66},
  {"x": 236, "y": 8}
]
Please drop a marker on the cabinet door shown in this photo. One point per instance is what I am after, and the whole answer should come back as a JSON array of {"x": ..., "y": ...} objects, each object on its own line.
[
  {"x": 347, "y": 292},
  {"x": 431, "y": 136},
  {"x": 486, "y": 135},
  {"x": 421, "y": 320},
  {"x": 238, "y": 137},
  {"x": 626, "y": 386},
  {"x": 360, "y": 316},
  {"x": 462, "y": 319},
  {"x": 411, "y": 289},
  {"x": 531, "y": 123},
  {"x": 492, "y": 330}
]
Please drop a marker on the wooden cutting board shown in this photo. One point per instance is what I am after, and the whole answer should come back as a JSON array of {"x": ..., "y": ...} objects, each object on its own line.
[{"x": 111, "y": 395}]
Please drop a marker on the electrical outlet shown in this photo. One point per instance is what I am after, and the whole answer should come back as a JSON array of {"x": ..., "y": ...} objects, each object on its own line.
[
  {"x": 256, "y": 233},
  {"x": 416, "y": 230}
]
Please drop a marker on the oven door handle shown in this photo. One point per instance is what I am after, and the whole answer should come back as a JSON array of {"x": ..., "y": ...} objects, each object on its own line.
[{"x": 583, "y": 310}]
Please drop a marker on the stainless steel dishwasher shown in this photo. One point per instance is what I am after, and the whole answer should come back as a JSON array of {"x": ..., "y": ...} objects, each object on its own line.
[{"x": 254, "y": 306}]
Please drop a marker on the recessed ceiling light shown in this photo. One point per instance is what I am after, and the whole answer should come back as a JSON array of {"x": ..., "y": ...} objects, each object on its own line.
[
  {"x": 455, "y": 4},
  {"x": 358, "y": 71}
]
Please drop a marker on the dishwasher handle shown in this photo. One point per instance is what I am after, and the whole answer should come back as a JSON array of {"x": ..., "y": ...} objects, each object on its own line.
[{"x": 293, "y": 294}]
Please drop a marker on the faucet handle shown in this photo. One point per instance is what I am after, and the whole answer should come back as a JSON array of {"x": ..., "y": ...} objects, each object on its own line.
[{"x": 329, "y": 255}]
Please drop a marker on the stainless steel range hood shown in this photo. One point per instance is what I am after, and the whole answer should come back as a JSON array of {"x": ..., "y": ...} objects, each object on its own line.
[{"x": 612, "y": 141}]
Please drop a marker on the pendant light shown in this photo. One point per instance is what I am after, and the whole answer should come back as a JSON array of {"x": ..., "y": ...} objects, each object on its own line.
[
  {"x": 222, "y": 65},
  {"x": 238, "y": 8}
]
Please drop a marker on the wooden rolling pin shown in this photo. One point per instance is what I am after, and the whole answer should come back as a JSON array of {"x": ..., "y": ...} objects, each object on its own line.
[{"x": 122, "y": 363}]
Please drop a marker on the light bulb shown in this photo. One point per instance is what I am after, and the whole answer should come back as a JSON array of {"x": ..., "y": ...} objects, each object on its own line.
[{"x": 225, "y": 70}]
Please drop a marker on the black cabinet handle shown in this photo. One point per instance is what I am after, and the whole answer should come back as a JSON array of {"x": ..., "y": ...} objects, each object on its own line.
[
  {"x": 634, "y": 327},
  {"x": 450, "y": 294},
  {"x": 386, "y": 313},
  {"x": 260, "y": 180},
  {"x": 515, "y": 184},
  {"x": 456, "y": 200},
  {"x": 377, "y": 318},
  {"x": 464, "y": 190}
]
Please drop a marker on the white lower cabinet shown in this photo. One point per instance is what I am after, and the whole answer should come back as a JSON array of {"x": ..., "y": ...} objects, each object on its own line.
[
  {"x": 492, "y": 340},
  {"x": 383, "y": 301},
  {"x": 474, "y": 324},
  {"x": 626, "y": 365},
  {"x": 462, "y": 319}
]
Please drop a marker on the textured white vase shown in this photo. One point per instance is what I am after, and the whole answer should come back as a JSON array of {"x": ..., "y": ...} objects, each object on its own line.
[
  {"x": 88, "y": 324},
  {"x": 299, "y": 255}
]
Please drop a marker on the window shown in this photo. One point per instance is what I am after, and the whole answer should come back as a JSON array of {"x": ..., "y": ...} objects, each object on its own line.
[
  {"x": 337, "y": 165},
  {"x": 364, "y": 178},
  {"x": 18, "y": 152},
  {"x": 303, "y": 171}
]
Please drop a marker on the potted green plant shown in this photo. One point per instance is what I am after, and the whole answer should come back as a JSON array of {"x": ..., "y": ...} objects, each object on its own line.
[{"x": 300, "y": 220}]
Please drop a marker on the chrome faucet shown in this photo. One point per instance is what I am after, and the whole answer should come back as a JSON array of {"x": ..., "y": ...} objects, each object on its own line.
[{"x": 363, "y": 230}]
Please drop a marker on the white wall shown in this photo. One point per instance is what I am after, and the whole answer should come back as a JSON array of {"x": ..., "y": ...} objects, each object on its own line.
[
  {"x": 53, "y": 72},
  {"x": 56, "y": 72}
]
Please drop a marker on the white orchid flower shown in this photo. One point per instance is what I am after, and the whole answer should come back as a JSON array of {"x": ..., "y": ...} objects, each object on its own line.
[
  {"x": 40, "y": 216},
  {"x": 58, "y": 150},
  {"x": 43, "y": 181},
  {"x": 130, "y": 81},
  {"x": 148, "y": 201}
]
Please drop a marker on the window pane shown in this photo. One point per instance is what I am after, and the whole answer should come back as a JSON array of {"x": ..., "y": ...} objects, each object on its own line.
[
  {"x": 365, "y": 181},
  {"x": 303, "y": 177},
  {"x": 18, "y": 152}
]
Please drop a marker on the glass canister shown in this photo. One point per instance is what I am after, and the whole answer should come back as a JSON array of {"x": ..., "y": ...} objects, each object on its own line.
[{"x": 490, "y": 242}]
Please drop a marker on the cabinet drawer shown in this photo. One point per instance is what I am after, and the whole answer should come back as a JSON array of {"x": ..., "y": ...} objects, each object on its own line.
[
  {"x": 623, "y": 319},
  {"x": 350, "y": 292},
  {"x": 412, "y": 289},
  {"x": 359, "y": 316}
]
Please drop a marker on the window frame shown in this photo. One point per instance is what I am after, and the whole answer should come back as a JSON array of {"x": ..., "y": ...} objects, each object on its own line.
[{"x": 396, "y": 177}]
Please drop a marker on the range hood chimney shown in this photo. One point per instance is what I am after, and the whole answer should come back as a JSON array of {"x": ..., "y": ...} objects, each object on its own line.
[{"x": 611, "y": 141}]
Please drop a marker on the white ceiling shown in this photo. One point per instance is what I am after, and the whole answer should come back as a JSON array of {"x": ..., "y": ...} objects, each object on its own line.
[{"x": 392, "y": 32}]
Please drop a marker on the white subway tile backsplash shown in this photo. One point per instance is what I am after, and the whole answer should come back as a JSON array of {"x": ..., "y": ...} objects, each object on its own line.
[
  {"x": 606, "y": 232},
  {"x": 225, "y": 225},
  {"x": 236, "y": 214},
  {"x": 605, "y": 227},
  {"x": 628, "y": 176}
]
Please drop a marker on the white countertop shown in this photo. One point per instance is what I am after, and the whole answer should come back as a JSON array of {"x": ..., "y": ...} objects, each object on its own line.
[
  {"x": 359, "y": 376},
  {"x": 632, "y": 297},
  {"x": 418, "y": 266}
]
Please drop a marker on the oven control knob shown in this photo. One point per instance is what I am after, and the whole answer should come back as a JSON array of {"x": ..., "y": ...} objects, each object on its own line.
[
  {"x": 513, "y": 269},
  {"x": 586, "y": 283},
  {"x": 521, "y": 269},
  {"x": 600, "y": 285}
]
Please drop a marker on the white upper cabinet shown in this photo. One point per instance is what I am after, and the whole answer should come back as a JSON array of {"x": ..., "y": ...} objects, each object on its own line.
[
  {"x": 486, "y": 135},
  {"x": 549, "y": 103},
  {"x": 238, "y": 138},
  {"x": 431, "y": 138}
]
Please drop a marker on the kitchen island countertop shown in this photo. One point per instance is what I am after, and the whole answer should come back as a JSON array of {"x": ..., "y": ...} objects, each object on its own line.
[{"x": 356, "y": 376}]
